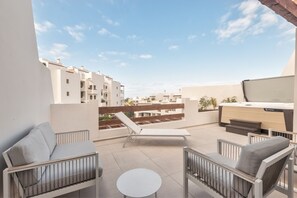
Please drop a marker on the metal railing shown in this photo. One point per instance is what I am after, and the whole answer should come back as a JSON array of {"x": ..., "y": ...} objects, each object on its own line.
[{"x": 114, "y": 122}]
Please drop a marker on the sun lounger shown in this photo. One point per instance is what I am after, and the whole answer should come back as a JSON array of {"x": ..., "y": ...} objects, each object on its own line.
[{"x": 136, "y": 130}]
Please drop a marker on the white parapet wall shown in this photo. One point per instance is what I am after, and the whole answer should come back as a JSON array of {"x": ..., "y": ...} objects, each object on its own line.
[
  {"x": 220, "y": 92},
  {"x": 192, "y": 118},
  {"x": 73, "y": 117}
]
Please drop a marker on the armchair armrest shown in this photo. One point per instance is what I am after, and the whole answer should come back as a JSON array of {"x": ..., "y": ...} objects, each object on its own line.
[
  {"x": 221, "y": 178},
  {"x": 42, "y": 177},
  {"x": 229, "y": 149},
  {"x": 72, "y": 136},
  {"x": 16, "y": 169}
]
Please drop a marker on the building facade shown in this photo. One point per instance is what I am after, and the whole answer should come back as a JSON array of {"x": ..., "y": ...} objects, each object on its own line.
[{"x": 78, "y": 85}]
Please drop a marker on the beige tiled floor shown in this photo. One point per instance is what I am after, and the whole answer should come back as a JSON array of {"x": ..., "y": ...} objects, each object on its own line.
[{"x": 163, "y": 155}]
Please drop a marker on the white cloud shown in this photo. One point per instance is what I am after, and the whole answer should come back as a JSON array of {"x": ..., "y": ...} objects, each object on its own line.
[
  {"x": 102, "y": 57},
  {"x": 287, "y": 32},
  {"x": 192, "y": 37},
  {"x": 249, "y": 7},
  {"x": 267, "y": 19},
  {"x": 145, "y": 56},
  {"x": 173, "y": 47},
  {"x": 105, "y": 32},
  {"x": 110, "y": 21},
  {"x": 43, "y": 27},
  {"x": 123, "y": 64},
  {"x": 225, "y": 17},
  {"x": 135, "y": 38},
  {"x": 249, "y": 18},
  {"x": 76, "y": 32},
  {"x": 235, "y": 27},
  {"x": 132, "y": 37},
  {"x": 58, "y": 50}
]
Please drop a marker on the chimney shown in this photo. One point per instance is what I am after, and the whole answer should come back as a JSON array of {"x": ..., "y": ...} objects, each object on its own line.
[{"x": 58, "y": 60}]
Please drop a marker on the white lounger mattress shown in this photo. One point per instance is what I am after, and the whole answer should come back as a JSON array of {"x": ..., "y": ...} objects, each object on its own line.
[{"x": 164, "y": 132}]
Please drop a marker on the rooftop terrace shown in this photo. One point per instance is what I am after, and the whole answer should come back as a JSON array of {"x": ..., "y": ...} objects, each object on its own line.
[{"x": 161, "y": 155}]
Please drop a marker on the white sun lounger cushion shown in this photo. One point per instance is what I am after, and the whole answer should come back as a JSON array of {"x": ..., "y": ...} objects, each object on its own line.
[{"x": 164, "y": 132}]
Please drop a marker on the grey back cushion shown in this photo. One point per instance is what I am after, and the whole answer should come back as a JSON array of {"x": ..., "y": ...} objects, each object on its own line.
[
  {"x": 49, "y": 135},
  {"x": 251, "y": 157},
  {"x": 32, "y": 148}
]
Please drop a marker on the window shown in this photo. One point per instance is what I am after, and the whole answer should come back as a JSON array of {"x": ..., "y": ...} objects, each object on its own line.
[
  {"x": 94, "y": 97},
  {"x": 94, "y": 87},
  {"x": 117, "y": 95},
  {"x": 67, "y": 81},
  {"x": 91, "y": 97},
  {"x": 67, "y": 93}
]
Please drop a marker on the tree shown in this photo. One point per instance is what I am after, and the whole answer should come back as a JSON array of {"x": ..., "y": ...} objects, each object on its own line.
[
  {"x": 230, "y": 99},
  {"x": 204, "y": 102},
  {"x": 213, "y": 102}
]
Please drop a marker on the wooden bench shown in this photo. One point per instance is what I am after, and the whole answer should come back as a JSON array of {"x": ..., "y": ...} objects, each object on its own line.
[{"x": 243, "y": 127}]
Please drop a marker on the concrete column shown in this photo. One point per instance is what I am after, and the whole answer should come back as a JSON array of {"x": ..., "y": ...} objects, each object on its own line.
[{"x": 295, "y": 87}]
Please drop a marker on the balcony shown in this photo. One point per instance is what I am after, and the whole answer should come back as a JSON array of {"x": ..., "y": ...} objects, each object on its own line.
[
  {"x": 92, "y": 92},
  {"x": 162, "y": 155}
]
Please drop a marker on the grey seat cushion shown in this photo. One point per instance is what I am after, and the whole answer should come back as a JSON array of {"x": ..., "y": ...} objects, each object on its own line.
[
  {"x": 222, "y": 160},
  {"x": 30, "y": 149},
  {"x": 74, "y": 149},
  {"x": 251, "y": 158},
  {"x": 49, "y": 135}
]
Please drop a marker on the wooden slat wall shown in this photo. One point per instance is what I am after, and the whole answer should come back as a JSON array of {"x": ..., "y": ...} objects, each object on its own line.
[
  {"x": 140, "y": 120},
  {"x": 105, "y": 110}
]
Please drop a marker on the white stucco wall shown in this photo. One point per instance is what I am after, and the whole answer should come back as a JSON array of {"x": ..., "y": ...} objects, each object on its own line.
[
  {"x": 24, "y": 82},
  {"x": 98, "y": 80},
  {"x": 56, "y": 85},
  {"x": 220, "y": 92},
  {"x": 115, "y": 93},
  {"x": 73, "y": 117},
  {"x": 73, "y": 87},
  {"x": 289, "y": 69}
]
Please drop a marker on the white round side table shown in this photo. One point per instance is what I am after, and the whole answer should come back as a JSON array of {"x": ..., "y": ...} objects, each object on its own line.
[{"x": 139, "y": 182}]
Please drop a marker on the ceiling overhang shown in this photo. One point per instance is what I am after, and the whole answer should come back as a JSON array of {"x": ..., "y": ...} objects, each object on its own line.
[{"x": 285, "y": 8}]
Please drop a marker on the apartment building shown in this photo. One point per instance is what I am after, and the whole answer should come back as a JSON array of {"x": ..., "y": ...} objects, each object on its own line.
[
  {"x": 161, "y": 98},
  {"x": 113, "y": 92},
  {"x": 79, "y": 85}
]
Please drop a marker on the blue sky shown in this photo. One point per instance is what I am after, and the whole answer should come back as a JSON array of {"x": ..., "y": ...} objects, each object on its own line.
[{"x": 152, "y": 45}]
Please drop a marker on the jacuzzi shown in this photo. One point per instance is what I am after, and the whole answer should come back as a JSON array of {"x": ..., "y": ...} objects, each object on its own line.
[{"x": 274, "y": 116}]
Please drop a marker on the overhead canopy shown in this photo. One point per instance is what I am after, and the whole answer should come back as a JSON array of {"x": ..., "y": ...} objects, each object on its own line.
[{"x": 284, "y": 8}]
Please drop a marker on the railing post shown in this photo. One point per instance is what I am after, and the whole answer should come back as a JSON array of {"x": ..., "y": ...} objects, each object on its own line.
[
  {"x": 185, "y": 179},
  {"x": 250, "y": 138},
  {"x": 6, "y": 184},
  {"x": 258, "y": 189},
  {"x": 270, "y": 132},
  {"x": 219, "y": 147},
  {"x": 97, "y": 174},
  {"x": 291, "y": 177}
]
